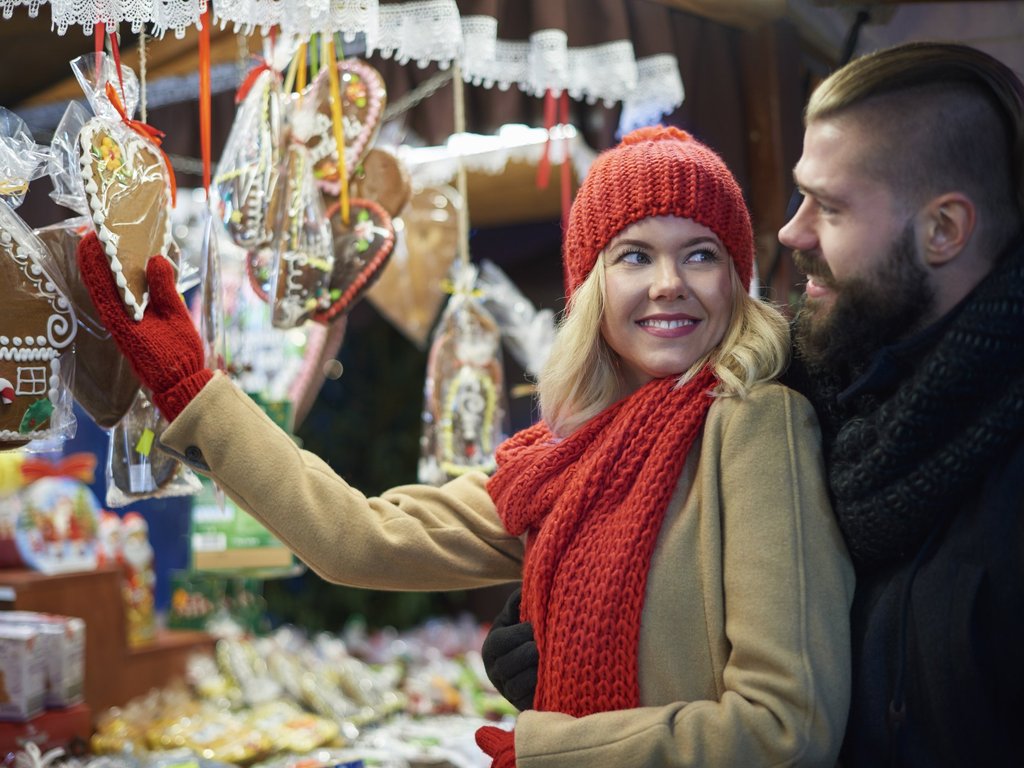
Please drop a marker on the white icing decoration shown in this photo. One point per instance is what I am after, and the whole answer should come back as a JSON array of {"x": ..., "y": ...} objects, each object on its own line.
[{"x": 108, "y": 238}]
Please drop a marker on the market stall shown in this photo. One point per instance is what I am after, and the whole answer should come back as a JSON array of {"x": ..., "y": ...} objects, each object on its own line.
[{"x": 363, "y": 203}]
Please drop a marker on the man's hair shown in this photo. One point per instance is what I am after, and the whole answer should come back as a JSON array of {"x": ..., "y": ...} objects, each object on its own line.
[
  {"x": 581, "y": 377},
  {"x": 945, "y": 117}
]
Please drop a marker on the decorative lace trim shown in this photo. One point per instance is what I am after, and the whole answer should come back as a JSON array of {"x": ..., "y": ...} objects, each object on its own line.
[
  {"x": 8, "y": 6},
  {"x": 659, "y": 91},
  {"x": 163, "y": 15},
  {"x": 420, "y": 31}
]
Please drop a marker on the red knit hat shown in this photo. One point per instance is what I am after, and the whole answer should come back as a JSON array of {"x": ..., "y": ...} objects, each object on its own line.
[{"x": 656, "y": 171}]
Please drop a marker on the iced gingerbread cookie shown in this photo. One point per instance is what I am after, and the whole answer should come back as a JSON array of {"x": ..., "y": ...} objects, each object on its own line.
[
  {"x": 362, "y": 106},
  {"x": 248, "y": 167},
  {"x": 295, "y": 273},
  {"x": 36, "y": 325},
  {"x": 362, "y": 248},
  {"x": 129, "y": 192}
]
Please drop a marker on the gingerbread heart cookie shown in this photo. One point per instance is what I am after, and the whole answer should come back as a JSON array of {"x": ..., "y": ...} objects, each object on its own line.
[
  {"x": 382, "y": 177},
  {"x": 409, "y": 292},
  {"x": 104, "y": 383},
  {"x": 128, "y": 188},
  {"x": 361, "y": 250},
  {"x": 36, "y": 325},
  {"x": 362, "y": 105}
]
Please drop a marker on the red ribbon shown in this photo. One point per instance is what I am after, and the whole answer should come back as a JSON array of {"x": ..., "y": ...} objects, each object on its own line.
[
  {"x": 544, "y": 167},
  {"x": 148, "y": 132},
  {"x": 77, "y": 466},
  {"x": 250, "y": 81}
]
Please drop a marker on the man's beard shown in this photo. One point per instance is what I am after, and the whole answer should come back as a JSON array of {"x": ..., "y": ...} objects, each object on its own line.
[{"x": 867, "y": 313}]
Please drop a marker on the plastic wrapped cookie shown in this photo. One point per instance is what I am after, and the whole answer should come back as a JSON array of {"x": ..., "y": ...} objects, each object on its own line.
[{"x": 128, "y": 184}]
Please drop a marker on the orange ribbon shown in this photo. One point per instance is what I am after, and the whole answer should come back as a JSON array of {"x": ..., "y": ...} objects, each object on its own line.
[
  {"x": 154, "y": 135},
  {"x": 204, "y": 97},
  {"x": 77, "y": 466}
]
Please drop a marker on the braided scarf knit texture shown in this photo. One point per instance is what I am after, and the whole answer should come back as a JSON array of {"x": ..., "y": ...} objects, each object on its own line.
[
  {"x": 898, "y": 467},
  {"x": 593, "y": 504}
]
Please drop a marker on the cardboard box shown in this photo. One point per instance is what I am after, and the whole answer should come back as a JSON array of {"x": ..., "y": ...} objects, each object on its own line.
[
  {"x": 22, "y": 673},
  {"x": 62, "y": 646}
]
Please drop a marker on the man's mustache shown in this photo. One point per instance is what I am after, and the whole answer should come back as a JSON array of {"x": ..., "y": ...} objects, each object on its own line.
[{"x": 813, "y": 266}]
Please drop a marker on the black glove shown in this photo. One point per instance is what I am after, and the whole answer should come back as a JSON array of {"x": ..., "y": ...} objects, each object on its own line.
[{"x": 510, "y": 655}]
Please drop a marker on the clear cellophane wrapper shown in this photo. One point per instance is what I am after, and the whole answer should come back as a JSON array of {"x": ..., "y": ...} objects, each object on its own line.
[
  {"x": 464, "y": 410},
  {"x": 249, "y": 165},
  {"x": 104, "y": 384},
  {"x": 136, "y": 468},
  {"x": 528, "y": 333},
  {"x": 37, "y": 323},
  {"x": 111, "y": 169},
  {"x": 303, "y": 253}
]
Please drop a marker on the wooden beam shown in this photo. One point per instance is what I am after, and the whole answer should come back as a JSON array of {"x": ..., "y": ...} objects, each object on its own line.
[{"x": 165, "y": 57}]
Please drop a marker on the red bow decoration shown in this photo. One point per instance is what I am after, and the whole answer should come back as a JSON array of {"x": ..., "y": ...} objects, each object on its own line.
[
  {"x": 154, "y": 135},
  {"x": 250, "y": 80},
  {"x": 77, "y": 466}
]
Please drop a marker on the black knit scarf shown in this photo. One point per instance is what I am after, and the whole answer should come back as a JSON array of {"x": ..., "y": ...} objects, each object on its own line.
[{"x": 898, "y": 465}]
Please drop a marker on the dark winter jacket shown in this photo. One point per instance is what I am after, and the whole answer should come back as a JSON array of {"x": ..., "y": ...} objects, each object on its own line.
[{"x": 926, "y": 464}]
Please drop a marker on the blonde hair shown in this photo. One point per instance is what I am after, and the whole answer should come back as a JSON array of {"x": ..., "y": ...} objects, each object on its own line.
[{"x": 581, "y": 377}]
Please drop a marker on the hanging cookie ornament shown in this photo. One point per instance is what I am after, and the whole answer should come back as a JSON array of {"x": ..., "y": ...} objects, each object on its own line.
[
  {"x": 363, "y": 98},
  {"x": 362, "y": 248},
  {"x": 247, "y": 172},
  {"x": 409, "y": 292},
  {"x": 303, "y": 258},
  {"x": 128, "y": 182},
  {"x": 464, "y": 408},
  {"x": 37, "y": 324}
]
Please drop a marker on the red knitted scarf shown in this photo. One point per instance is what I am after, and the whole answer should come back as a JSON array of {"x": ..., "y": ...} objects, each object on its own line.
[{"x": 593, "y": 504}]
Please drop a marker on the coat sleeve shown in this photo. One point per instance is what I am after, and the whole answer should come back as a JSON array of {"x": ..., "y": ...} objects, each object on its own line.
[
  {"x": 414, "y": 537},
  {"x": 787, "y": 584}
]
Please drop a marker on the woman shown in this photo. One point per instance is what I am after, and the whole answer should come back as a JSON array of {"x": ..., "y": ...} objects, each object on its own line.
[{"x": 668, "y": 517}]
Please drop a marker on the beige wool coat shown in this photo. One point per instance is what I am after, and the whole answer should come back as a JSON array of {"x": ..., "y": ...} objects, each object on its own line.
[{"x": 744, "y": 644}]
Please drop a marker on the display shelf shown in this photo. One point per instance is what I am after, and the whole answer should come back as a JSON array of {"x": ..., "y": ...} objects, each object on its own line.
[{"x": 114, "y": 672}]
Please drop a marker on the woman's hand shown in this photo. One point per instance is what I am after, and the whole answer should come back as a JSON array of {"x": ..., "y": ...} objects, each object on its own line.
[{"x": 164, "y": 349}]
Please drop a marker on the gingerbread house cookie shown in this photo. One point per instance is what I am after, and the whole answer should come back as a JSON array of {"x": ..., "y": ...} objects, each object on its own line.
[{"x": 36, "y": 324}]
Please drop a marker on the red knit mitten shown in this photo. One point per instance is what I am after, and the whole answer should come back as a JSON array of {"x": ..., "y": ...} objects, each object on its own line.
[
  {"x": 164, "y": 349},
  {"x": 499, "y": 744}
]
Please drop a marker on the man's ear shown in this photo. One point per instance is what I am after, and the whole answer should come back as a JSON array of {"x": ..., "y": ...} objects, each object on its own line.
[{"x": 945, "y": 225}]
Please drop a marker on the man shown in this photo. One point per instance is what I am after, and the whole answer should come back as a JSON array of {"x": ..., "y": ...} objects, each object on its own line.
[{"x": 910, "y": 343}]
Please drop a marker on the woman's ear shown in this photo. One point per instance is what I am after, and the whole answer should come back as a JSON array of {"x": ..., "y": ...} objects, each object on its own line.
[{"x": 945, "y": 226}]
